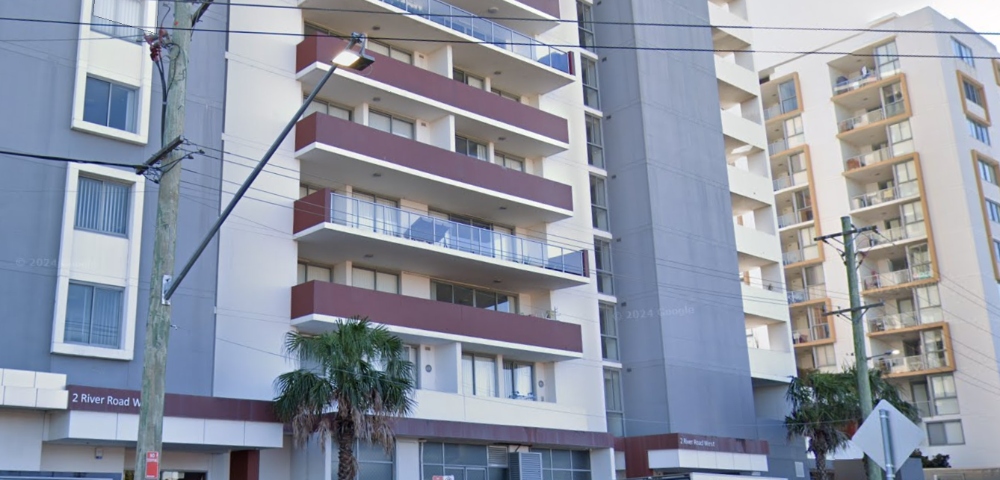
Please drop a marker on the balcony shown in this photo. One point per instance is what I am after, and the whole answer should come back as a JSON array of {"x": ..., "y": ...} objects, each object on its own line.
[
  {"x": 794, "y": 218},
  {"x": 531, "y": 17},
  {"x": 724, "y": 37},
  {"x": 763, "y": 306},
  {"x": 748, "y": 191},
  {"x": 799, "y": 179},
  {"x": 814, "y": 334},
  {"x": 773, "y": 365},
  {"x": 316, "y": 306},
  {"x": 869, "y": 159},
  {"x": 527, "y": 66},
  {"x": 904, "y": 322},
  {"x": 377, "y": 161},
  {"x": 922, "y": 364},
  {"x": 785, "y": 144},
  {"x": 868, "y": 129},
  {"x": 740, "y": 131},
  {"x": 332, "y": 228},
  {"x": 806, "y": 254},
  {"x": 894, "y": 279},
  {"x": 737, "y": 84},
  {"x": 845, "y": 84},
  {"x": 886, "y": 196},
  {"x": 418, "y": 93},
  {"x": 756, "y": 248},
  {"x": 810, "y": 294},
  {"x": 890, "y": 110},
  {"x": 893, "y": 236}
]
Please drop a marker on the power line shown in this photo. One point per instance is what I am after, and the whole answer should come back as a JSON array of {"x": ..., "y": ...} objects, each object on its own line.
[
  {"x": 66, "y": 159},
  {"x": 482, "y": 42}
]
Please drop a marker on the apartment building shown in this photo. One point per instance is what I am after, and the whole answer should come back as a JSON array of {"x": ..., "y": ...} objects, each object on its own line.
[
  {"x": 901, "y": 143},
  {"x": 703, "y": 331},
  {"x": 443, "y": 192}
]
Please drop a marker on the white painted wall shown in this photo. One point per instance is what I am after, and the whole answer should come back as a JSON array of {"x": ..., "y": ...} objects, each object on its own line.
[
  {"x": 941, "y": 138},
  {"x": 21, "y": 434}
]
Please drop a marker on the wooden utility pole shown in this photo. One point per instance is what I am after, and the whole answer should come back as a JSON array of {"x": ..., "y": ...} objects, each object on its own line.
[
  {"x": 857, "y": 311},
  {"x": 150, "y": 439}
]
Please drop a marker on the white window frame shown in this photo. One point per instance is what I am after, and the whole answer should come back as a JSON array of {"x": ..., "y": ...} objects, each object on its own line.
[
  {"x": 77, "y": 264},
  {"x": 947, "y": 441},
  {"x": 125, "y": 63},
  {"x": 102, "y": 211}
]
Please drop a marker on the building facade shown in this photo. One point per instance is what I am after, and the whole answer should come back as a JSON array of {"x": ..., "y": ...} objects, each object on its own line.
[
  {"x": 870, "y": 131},
  {"x": 443, "y": 192},
  {"x": 705, "y": 341}
]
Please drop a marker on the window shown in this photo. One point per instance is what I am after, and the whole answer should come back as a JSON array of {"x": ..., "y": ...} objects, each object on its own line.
[
  {"x": 595, "y": 142},
  {"x": 471, "y": 148},
  {"x": 509, "y": 161},
  {"x": 963, "y": 52},
  {"x": 613, "y": 402},
  {"x": 507, "y": 95},
  {"x": 824, "y": 356},
  {"x": 479, "y": 375},
  {"x": 945, "y": 433},
  {"x": 117, "y": 18},
  {"x": 565, "y": 464},
  {"x": 788, "y": 97},
  {"x": 901, "y": 137},
  {"x": 945, "y": 395},
  {"x": 979, "y": 131},
  {"x": 391, "y": 124},
  {"x": 585, "y": 19},
  {"x": 102, "y": 206},
  {"x": 309, "y": 273},
  {"x": 110, "y": 104},
  {"x": 469, "y": 79},
  {"x": 473, "y": 297},
  {"x": 327, "y": 108},
  {"x": 94, "y": 315},
  {"x": 887, "y": 59},
  {"x": 373, "y": 280},
  {"x": 599, "y": 203},
  {"x": 996, "y": 249},
  {"x": 988, "y": 172},
  {"x": 994, "y": 211},
  {"x": 463, "y": 461},
  {"x": 390, "y": 51},
  {"x": 591, "y": 94},
  {"x": 373, "y": 463},
  {"x": 892, "y": 100},
  {"x": 602, "y": 255},
  {"x": 519, "y": 380},
  {"x": 973, "y": 93},
  {"x": 609, "y": 331}
]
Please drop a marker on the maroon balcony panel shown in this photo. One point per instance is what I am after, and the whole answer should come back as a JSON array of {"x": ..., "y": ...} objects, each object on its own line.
[
  {"x": 324, "y": 298},
  {"x": 550, "y": 7},
  {"x": 437, "y": 87},
  {"x": 319, "y": 128},
  {"x": 311, "y": 210}
]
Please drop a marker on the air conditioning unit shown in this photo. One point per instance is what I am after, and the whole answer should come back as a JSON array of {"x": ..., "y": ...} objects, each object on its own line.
[{"x": 525, "y": 466}]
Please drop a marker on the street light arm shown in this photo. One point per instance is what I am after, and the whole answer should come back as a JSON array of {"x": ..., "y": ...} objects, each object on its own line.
[{"x": 170, "y": 284}]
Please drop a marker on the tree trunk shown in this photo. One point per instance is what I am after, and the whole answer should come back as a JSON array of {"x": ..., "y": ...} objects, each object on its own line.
[
  {"x": 821, "y": 472},
  {"x": 347, "y": 467}
]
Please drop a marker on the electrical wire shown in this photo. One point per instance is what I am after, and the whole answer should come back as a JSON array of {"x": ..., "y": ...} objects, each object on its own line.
[{"x": 482, "y": 42}]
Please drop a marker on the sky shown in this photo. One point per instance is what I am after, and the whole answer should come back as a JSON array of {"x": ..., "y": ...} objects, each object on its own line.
[{"x": 980, "y": 15}]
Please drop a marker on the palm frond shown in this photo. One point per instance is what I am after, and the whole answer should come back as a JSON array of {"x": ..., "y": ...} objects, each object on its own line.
[{"x": 301, "y": 402}]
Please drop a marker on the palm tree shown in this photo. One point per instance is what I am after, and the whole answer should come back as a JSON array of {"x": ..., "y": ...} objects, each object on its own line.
[
  {"x": 826, "y": 408},
  {"x": 360, "y": 370},
  {"x": 823, "y": 405}
]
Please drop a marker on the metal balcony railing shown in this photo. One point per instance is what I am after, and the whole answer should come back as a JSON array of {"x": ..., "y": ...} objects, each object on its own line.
[
  {"x": 484, "y": 242},
  {"x": 888, "y": 111},
  {"x": 867, "y": 159},
  {"x": 814, "y": 292},
  {"x": 914, "y": 363},
  {"x": 485, "y": 30},
  {"x": 796, "y": 217},
  {"x": 801, "y": 255},
  {"x": 892, "y": 235},
  {"x": 891, "y": 194},
  {"x": 899, "y": 277},
  {"x": 814, "y": 333}
]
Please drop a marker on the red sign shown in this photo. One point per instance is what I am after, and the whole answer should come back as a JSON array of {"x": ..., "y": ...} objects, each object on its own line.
[{"x": 152, "y": 465}]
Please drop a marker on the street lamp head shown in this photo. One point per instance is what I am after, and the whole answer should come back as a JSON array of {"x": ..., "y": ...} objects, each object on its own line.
[
  {"x": 894, "y": 352},
  {"x": 355, "y": 60}
]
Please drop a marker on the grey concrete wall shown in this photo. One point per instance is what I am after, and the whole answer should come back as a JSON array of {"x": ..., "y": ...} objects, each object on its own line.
[
  {"x": 35, "y": 112},
  {"x": 686, "y": 365}
]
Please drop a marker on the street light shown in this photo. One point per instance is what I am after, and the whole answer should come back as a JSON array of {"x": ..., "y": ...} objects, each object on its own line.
[
  {"x": 886, "y": 354},
  {"x": 346, "y": 58}
]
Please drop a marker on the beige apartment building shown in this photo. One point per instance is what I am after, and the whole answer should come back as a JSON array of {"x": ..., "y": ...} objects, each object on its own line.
[{"x": 894, "y": 129}]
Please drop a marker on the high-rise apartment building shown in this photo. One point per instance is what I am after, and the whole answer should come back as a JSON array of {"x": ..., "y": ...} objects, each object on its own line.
[
  {"x": 892, "y": 127},
  {"x": 704, "y": 338},
  {"x": 443, "y": 192}
]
